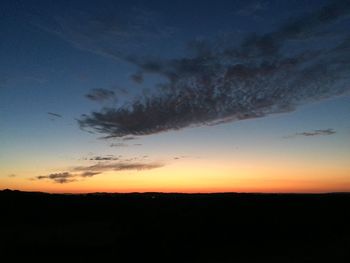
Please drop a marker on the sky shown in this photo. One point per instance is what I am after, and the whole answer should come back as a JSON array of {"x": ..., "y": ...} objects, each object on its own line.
[{"x": 175, "y": 96}]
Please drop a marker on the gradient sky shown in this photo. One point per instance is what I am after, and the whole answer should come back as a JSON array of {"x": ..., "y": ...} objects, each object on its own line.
[{"x": 175, "y": 96}]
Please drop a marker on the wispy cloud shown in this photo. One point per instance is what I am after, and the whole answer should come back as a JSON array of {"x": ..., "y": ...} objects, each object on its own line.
[
  {"x": 265, "y": 74},
  {"x": 60, "y": 178},
  {"x": 137, "y": 77},
  {"x": 55, "y": 114},
  {"x": 120, "y": 144},
  {"x": 120, "y": 166},
  {"x": 179, "y": 157},
  {"x": 129, "y": 138},
  {"x": 100, "y": 95},
  {"x": 318, "y": 132},
  {"x": 104, "y": 158},
  {"x": 88, "y": 174},
  {"x": 81, "y": 172},
  {"x": 321, "y": 132}
]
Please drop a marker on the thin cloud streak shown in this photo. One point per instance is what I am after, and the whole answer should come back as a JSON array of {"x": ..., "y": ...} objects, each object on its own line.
[
  {"x": 321, "y": 132},
  {"x": 318, "y": 132},
  {"x": 55, "y": 114},
  {"x": 102, "y": 167},
  {"x": 81, "y": 172},
  {"x": 103, "y": 158},
  {"x": 118, "y": 145}
]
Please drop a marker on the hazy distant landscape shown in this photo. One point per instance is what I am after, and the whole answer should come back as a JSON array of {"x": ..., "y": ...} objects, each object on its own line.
[{"x": 228, "y": 227}]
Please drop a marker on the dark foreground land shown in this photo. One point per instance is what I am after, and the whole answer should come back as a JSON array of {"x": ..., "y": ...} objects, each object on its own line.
[{"x": 154, "y": 227}]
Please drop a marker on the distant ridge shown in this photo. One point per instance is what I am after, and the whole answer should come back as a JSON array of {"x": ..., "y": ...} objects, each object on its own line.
[{"x": 168, "y": 193}]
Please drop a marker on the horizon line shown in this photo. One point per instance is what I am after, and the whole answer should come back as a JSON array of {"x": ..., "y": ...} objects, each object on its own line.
[{"x": 182, "y": 193}]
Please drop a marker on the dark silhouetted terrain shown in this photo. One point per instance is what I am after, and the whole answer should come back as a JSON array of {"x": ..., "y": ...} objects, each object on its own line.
[{"x": 155, "y": 227}]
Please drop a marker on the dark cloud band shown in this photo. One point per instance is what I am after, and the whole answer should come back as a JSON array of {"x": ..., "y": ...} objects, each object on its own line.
[
  {"x": 305, "y": 60},
  {"x": 265, "y": 74}
]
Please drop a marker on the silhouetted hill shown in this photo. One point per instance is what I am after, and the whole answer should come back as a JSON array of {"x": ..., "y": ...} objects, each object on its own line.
[{"x": 228, "y": 227}]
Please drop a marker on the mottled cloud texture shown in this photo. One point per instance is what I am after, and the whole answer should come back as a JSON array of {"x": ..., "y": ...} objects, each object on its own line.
[{"x": 305, "y": 60}]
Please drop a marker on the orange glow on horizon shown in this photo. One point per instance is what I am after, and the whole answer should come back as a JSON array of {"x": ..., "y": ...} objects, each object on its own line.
[{"x": 200, "y": 176}]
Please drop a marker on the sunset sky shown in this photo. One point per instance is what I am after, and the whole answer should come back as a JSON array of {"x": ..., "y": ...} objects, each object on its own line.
[{"x": 175, "y": 96}]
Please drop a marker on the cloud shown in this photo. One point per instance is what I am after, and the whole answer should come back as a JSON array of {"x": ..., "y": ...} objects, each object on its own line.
[
  {"x": 80, "y": 172},
  {"x": 118, "y": 145},
  {"x": 265, "y": 74},
  {"x": 88, "y": 174},
  {"x": 103, "y": 158},
  {"x": 12, "y": 175},
  {"x": 180, "y": 157},
  {"x": 121, "y": 166},
  {"x": 318, "y": 132},
  {"x": 313, "y": 133},
  {"x": 129, "y": 138},
  {"x": 100, "y": 95},
  {"x": 60, "y": 178},
  {"x": 137, "y": 77},
  {"x": 55, "y": 114}
]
